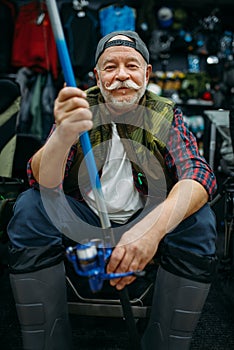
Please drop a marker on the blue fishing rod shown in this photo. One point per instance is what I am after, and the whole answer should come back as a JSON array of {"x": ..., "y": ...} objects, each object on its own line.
[
  {"x": 90, "y": 259},
  {"x": 84, "y": 137}
]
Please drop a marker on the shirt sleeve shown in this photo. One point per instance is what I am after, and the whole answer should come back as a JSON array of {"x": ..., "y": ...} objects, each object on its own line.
[
  {"x": 183, "y": 158},
  {"x": 32, "y": 181}
]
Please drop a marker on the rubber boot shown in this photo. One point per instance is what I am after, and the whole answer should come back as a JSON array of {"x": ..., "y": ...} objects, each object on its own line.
[
  {"x": 176, "y": 308},
  {"x": 41, "y": 304}
]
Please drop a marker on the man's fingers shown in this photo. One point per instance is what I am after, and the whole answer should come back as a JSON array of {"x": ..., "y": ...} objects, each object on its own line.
[
  {"x": 115, "y": 259},
  {"x": 129, "y": 262},
  {"x": 124, "y": 282},
  {"x": 68, "y": 92}
]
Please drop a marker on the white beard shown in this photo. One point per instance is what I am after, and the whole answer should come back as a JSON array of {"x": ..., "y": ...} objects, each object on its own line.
[{"x": 123, "y": 101}]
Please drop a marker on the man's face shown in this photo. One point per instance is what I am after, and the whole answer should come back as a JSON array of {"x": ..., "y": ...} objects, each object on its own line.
[{"x": 122, "y": 75}]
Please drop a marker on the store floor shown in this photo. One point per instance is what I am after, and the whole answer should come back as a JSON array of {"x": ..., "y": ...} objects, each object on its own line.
[{"x": 215, "y": 330}]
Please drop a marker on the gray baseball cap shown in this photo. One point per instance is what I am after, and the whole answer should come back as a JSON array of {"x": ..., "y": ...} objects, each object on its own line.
[{"x": 136, "y": 44}]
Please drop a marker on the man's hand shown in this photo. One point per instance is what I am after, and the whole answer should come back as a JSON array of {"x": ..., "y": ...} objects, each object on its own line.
[
  {"x": 131, "y": 255},
  {"x": 72, "y": 116},
  {"x": 72, "y": 113},
  {"x": 137, "y": 246}
]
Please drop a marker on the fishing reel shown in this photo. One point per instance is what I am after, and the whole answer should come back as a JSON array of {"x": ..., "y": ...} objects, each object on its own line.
[{"x": 90, "y": 258}]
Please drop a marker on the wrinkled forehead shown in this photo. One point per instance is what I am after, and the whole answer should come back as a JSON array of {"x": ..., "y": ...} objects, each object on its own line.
[{"x": 120, "y": 53}]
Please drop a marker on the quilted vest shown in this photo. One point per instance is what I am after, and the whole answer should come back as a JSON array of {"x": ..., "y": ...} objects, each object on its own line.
[{"x": 143, "y": 132}]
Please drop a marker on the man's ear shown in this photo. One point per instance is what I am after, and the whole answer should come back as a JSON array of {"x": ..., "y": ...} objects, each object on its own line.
[
  {"x": 96, "y": 75},
  {"x": 148, "y": 72}
]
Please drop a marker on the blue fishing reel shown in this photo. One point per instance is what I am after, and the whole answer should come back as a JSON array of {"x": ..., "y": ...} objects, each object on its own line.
[{"x": 89, "y": 260}]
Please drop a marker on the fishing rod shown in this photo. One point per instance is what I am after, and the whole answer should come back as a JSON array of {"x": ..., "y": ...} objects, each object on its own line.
[
  {"x": 90, "y": 259},
  {"x": 84, "y": 137}
]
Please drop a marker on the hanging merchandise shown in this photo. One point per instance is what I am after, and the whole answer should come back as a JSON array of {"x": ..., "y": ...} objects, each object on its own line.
[
  {"x": 194, "y": 86},
  {"x": 160, "y": 47},
  {"x": 113, "y": 18},
  {"x": 80, "y": 25},
  {"x": 180, "y": 18},
  {"x": 227, "y": 45},
  {"x": 165, "y": 17},
  {"x": 37, "y": 101},
  {"x": 47, "y": 95},
  {"x": 33, "y": 42},
  {"x": 211, "y": 27},
  {"x": 196, "y": 125},
  {"x": 193, "y": 63},
  {"x": 7, "y": 18},
  {"x": 223, "y": 91},
  {"x": 145, "y": 20}
]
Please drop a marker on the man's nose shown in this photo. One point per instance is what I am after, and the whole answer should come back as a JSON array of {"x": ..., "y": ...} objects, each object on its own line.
[{"x": 122, "y": 73}]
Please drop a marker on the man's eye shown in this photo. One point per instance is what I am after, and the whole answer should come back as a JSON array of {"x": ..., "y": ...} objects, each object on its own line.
[
  {"x": 132, "y": 66},
  {"x": 109, "y": 68}
]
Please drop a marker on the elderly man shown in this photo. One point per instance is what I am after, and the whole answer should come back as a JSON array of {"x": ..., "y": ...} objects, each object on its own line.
[{"x": 156, "y": 188}]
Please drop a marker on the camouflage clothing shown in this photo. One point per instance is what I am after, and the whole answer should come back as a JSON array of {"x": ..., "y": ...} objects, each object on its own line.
[{"x": 144, "y": 133}]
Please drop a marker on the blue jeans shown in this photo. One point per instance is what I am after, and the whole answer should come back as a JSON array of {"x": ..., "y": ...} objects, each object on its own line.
[{"x": 41, "y": 220}]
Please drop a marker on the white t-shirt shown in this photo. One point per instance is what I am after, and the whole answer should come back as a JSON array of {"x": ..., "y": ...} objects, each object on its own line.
[{"x": 121, "y": 197}]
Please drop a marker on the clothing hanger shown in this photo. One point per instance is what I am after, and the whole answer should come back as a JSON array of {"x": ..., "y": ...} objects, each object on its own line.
[{"x": 79, "y": 6}]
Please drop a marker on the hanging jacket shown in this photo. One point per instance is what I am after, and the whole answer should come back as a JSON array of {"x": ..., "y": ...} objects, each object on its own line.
[
  {"x": 82, "y": 35},
  {"x": 33, "y": 42},
  {"x": 113, "y": 18},
  {"x": 7, "y": 20}
]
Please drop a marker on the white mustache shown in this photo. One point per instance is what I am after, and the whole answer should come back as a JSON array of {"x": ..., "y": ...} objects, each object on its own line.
[{"x": 127, "y": 84}]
